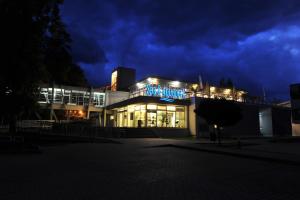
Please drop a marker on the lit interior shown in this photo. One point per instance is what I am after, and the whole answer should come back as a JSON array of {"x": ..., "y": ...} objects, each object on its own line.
[
  {"x": 151, "y": 115},
  {"x": 114, "y": 77}
]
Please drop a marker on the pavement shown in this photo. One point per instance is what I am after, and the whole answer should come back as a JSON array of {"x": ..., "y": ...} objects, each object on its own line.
[
  {"x": 151, "y": 169},
  {"x": 259, "y": 149}
]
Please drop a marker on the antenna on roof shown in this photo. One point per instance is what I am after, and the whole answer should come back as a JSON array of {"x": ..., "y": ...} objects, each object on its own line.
[
  {"x": 264, "y": 94},
  {"x": 200, "y": 82}
]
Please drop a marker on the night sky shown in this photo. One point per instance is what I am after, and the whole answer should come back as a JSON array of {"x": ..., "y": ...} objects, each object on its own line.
[{"x": 256, "y": 43}]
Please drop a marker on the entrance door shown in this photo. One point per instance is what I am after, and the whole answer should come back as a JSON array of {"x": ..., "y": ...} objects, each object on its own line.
[
  {"x": 151, "y": 118},
  {"x": 170, "y": 119},
  {"x": 161, "y": 118},
  {"x": 120, "y": 119}
]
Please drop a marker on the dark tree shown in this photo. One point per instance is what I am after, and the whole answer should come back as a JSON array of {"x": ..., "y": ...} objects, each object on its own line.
[
  {"x": 229, "y": 83},
  {"x": 76, "y": 76},
  {"x": 34, "y": 47},
  {"x": 58, "y": 59},
  {"x": 219, "y": 112},
  {"x": 222, "y": 83}
]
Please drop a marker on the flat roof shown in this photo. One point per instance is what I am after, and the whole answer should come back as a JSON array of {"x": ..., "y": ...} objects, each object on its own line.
[
  {"x": 166, "y": 79},
  {"x": 182, "y": 81},
  {"x": 148, "y": 99}
]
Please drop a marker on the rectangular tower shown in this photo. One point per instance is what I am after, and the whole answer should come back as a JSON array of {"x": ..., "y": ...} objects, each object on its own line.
[{"x": 122, "y": 78}]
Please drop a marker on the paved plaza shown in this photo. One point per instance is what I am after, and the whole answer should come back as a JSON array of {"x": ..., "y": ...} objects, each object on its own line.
[{"x": 143, "y": 169}]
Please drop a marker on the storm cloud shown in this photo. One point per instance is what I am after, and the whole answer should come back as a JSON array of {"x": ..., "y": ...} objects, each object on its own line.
[{"x": 254, "y": 42}]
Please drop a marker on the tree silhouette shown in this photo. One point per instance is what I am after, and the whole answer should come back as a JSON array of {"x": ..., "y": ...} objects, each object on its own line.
[
  {"x": 34, "y": 49},
  {"x": 222, "y": 82},
  {"x": 229, "y": 83},
  {"x": 219, "y": 112},
  {"x": 58, "y": 59}
]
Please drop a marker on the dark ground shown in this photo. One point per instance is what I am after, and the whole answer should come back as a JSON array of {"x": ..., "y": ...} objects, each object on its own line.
[{"x": 137, "y": 169}]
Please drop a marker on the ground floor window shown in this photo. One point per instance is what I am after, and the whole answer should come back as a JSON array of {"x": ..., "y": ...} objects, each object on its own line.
[{"x": 151, "y": 115}]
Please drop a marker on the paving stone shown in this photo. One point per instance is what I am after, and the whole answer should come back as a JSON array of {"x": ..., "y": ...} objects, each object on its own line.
[{"x": 132, "y": 171}]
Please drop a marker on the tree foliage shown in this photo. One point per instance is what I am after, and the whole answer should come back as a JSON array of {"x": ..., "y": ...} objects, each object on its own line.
[
  {"x": 58, "y": 60},
  {"x": 226, "y": 83},
  {"x": 34, "y": 49},
  {"x": 220, "y": 112}
]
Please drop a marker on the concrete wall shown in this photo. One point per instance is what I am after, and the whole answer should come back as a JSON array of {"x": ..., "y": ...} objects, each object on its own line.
[
  {"x": 281, "y": 120},
  {"x": 125, "y": 79},
  {"x": 265, "y": 122},
  {"x": 112, "y": 97},
  {"x": 295, "y": 104},
  {"x": 203, "y": 130},
  {"x": 192, "y": 119},
  {"x": 258, "y": 120},
  {"x": 248, "y": 126},
  {"x": 295, "y": 129}
]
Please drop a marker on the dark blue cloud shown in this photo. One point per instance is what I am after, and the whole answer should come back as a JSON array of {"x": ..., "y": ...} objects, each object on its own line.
[{"x": 256, "y": 43}]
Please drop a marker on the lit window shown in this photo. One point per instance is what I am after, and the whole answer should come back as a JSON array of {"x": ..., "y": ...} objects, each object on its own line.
[
  {"x": 161, "y": 107},
  {"x": 143, "y": 107},
  {"x": 153, "y": 81},
  {"x": 151, "y": 107},
  {"x": 180, "y": 108},
  {"x": 114, "y": 77},
  {"x": 140, "y": 85},
  {"x": 195, "y": 86},
  {"x": 171, "y": 108},
  {"x": 175, "y": 84},
  {"x": 130, "y": 108},
  {"x": 227, "y": 91}
]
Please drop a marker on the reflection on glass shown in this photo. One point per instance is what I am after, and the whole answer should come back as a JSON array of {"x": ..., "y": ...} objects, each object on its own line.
[
  {"x": 161, "y": 118},
  {"x": 171, "y": 108},
  {"x": 151, "y": 107},
  {"x": 164, "y": 116},
  {"x": 180, "y": 120},
  {"x": 151, "y": 119},
  {"x": 143, "y": 118},
  {"x": 170, "y": 119}
]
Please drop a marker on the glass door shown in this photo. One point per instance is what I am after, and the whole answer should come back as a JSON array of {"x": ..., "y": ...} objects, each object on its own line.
[
  {"x": 151, "y": 118},
  {"x": 170, "y": 119},
  {"x": 161, "y": 118}
]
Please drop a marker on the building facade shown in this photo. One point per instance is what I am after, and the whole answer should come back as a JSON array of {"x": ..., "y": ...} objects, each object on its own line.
[
  {"x": 295, "y": 105},
  {"x": 157, "y": 103}
]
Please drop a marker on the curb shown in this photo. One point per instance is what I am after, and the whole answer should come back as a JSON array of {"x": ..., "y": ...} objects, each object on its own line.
[{"x": 240, "y": 155}]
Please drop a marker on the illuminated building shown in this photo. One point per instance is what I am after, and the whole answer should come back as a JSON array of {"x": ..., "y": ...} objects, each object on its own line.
[
  {"x": 67, "y": 102},
  {"x": 122, "y": 78},
  {"x": 158, "y": 103}
]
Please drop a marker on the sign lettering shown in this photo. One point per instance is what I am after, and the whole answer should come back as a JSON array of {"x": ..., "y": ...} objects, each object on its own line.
[{"x": 166, "y": 92}]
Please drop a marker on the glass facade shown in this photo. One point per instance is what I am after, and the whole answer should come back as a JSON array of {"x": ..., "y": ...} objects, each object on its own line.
[
  {"x": 71, "y": 97},
  {"x": 151, "y": 115}
]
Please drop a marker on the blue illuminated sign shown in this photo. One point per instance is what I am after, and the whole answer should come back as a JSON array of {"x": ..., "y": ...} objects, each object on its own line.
[
  {"x": 153, "y": 90},
  {"x": 167, "y": 100}
]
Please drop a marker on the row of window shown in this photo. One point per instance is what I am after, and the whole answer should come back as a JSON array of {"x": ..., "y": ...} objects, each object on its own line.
[
  {"x": 151, "y": 115},
  {"x": 71, "y": 97}
]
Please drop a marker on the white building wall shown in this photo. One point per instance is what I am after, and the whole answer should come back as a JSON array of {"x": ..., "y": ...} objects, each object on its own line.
[
  {"x": 265, "y": 122},
  {"x": 296, "y": 129},
  {"x": 112, "y": 97},
  {"x": 192, "y": 119}
]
